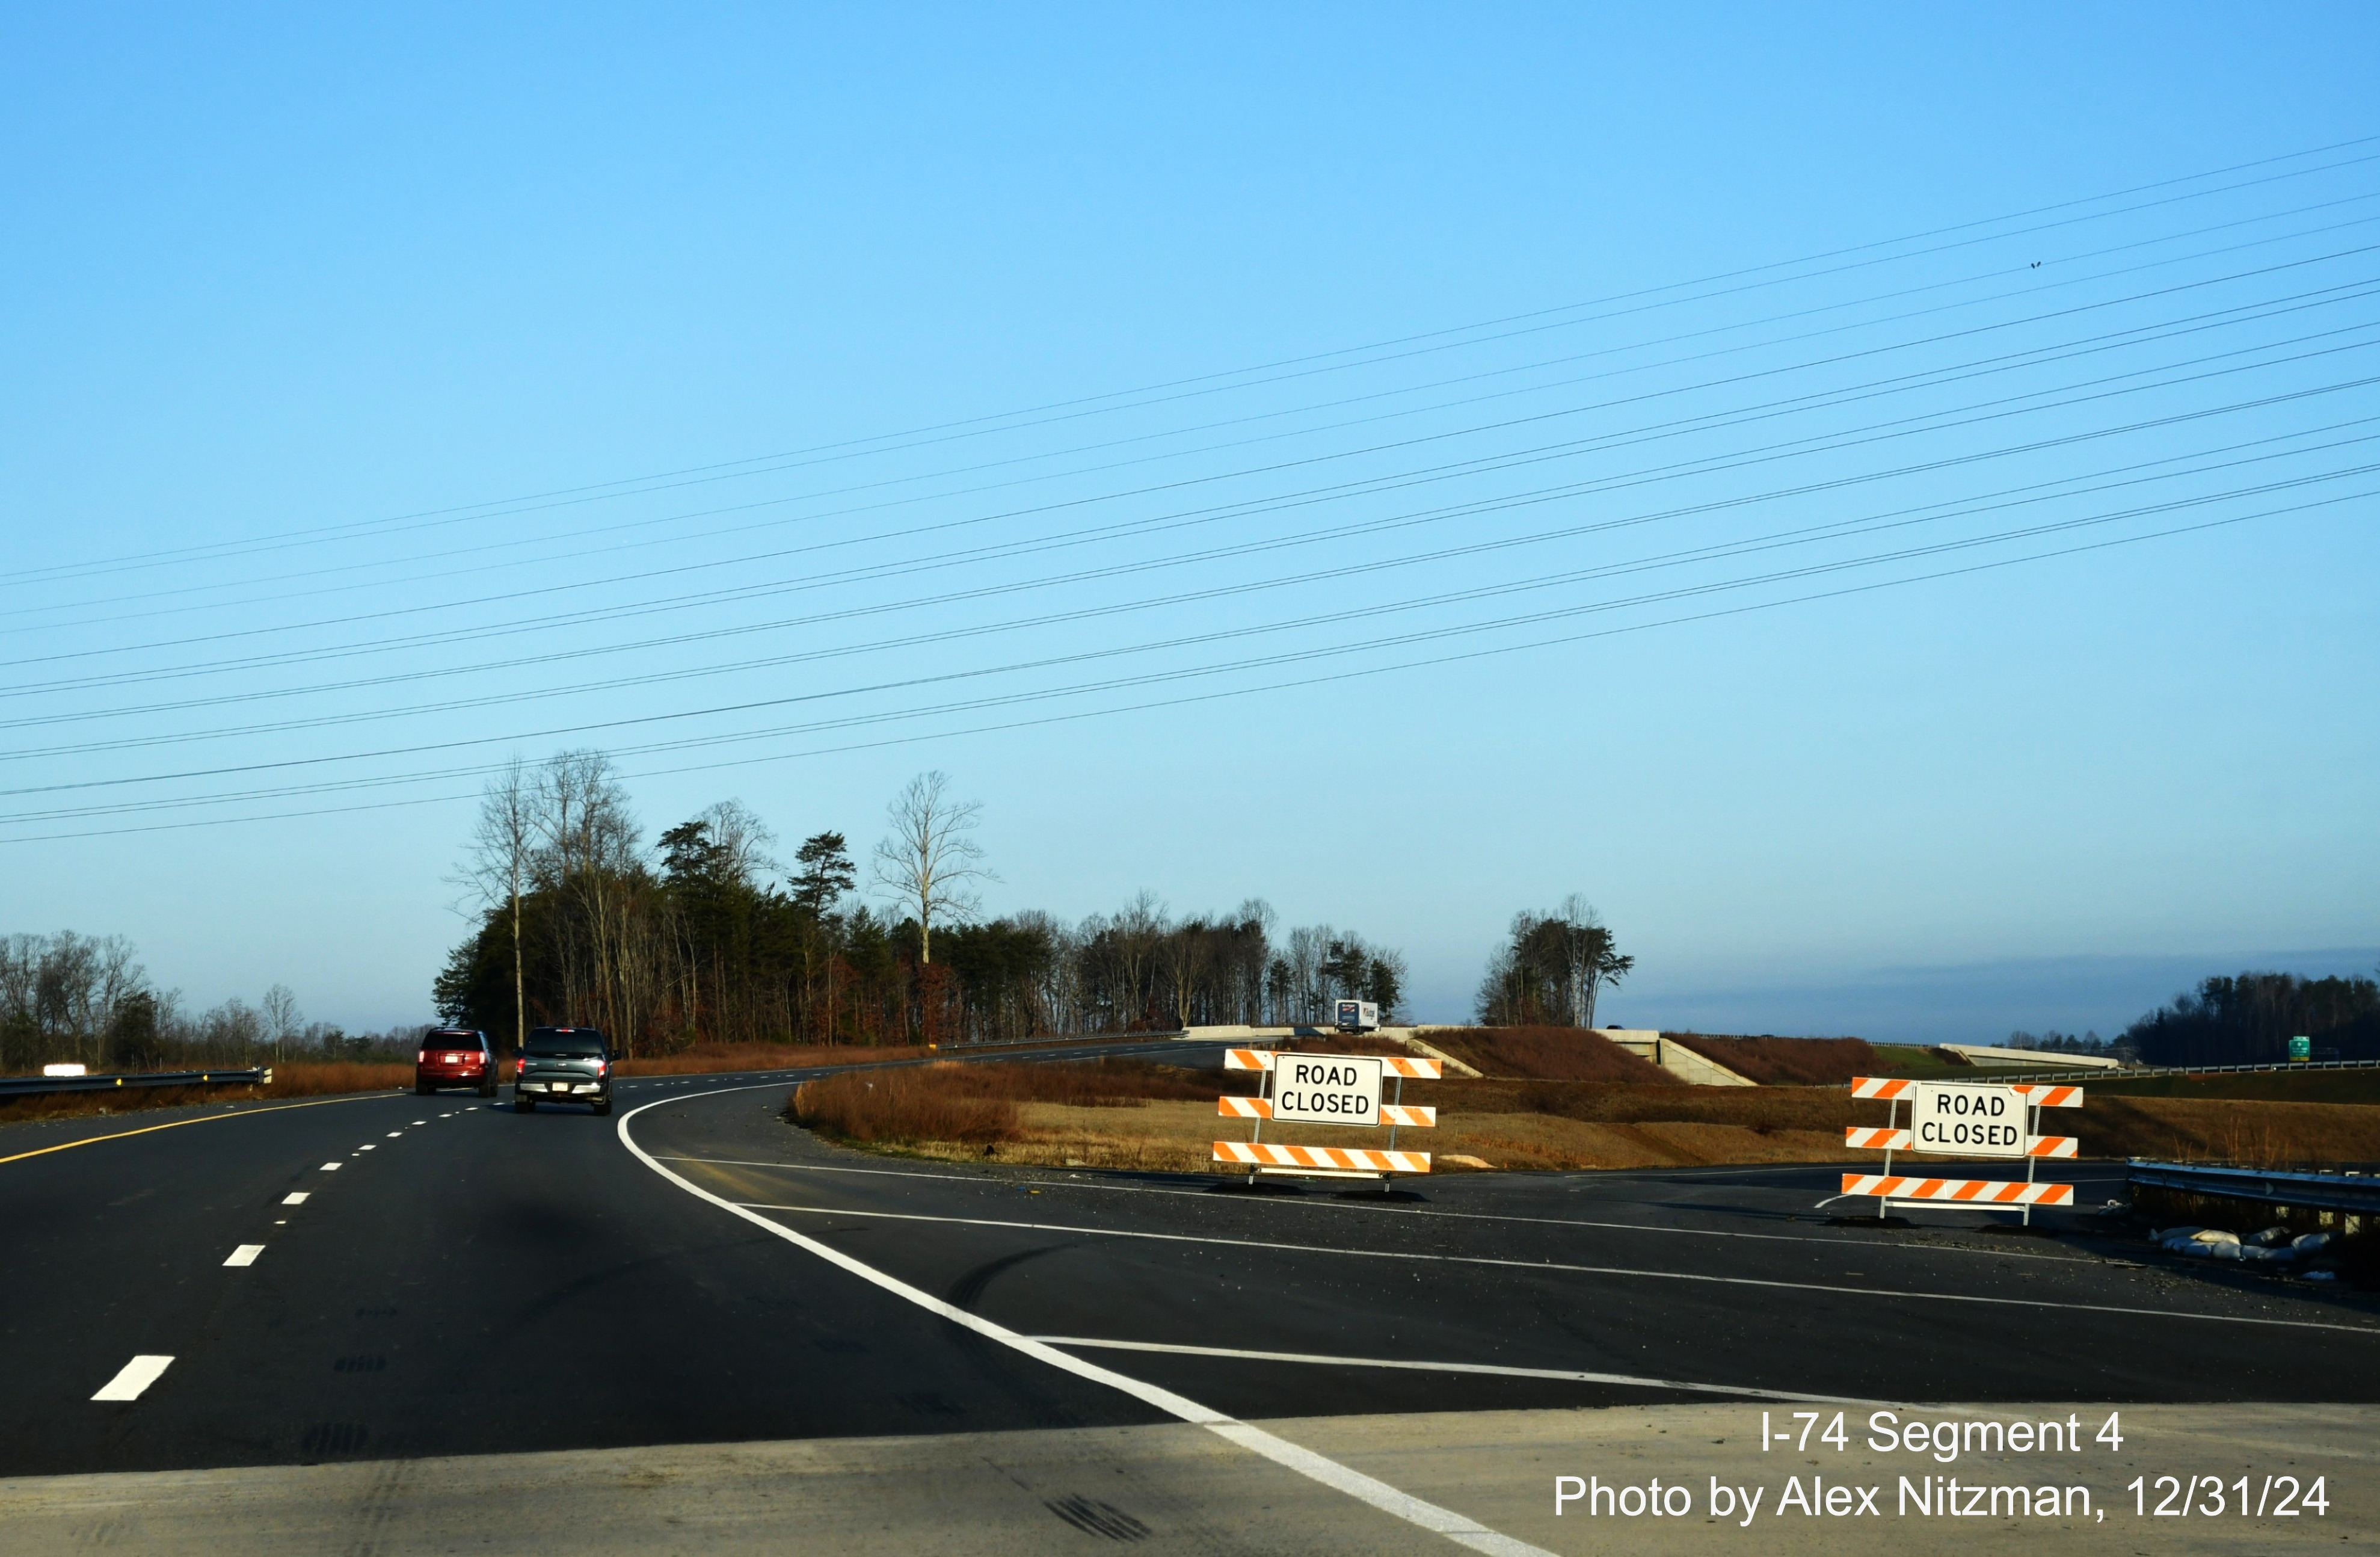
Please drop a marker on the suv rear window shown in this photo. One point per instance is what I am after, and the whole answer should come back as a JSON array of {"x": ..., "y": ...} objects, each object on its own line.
[
  {"x": 585, "y": 1044},
  {"x": 452, "y": 1040}
]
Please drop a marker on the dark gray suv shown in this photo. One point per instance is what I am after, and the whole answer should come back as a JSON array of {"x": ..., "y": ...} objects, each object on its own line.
[{"x": 563, "y": 1066}]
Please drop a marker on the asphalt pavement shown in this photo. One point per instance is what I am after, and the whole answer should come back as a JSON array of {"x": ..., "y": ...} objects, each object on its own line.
[{"x": 462, "y": 1283}]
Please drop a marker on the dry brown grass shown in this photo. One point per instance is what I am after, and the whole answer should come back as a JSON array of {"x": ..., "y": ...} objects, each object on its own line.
[
  {"x": 302, "y": 1079},
  {"x": 1787, "y": 1062},
  {"x": 901, "y": 1107},
  {"x": 2249, "y": 1133},
  {"x": 312, "y": 1079},
  {"x": 1548, "y": 1055},
  {"x": 1123, "y": 1114},
  {"x": 710, "y": 1058},
  {"x": 973, "y": 1105}
]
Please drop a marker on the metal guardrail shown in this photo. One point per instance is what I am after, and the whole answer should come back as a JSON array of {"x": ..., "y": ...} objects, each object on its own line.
[
  {"x": 2086, "y": 1076},
  {"x": 2330, "y": 1192},
  {"x": 35, "y": 1085}
]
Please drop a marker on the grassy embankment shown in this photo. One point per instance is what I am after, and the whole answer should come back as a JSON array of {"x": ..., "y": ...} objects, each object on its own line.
[{"x": 1610, "y": 1111}]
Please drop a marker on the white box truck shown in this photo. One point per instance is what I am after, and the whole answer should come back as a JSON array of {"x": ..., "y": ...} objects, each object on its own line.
[{"x": 1357, "y": 1015}]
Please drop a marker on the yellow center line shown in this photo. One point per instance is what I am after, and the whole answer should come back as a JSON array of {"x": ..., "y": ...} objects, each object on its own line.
[{"x": 204, "y": 1119}]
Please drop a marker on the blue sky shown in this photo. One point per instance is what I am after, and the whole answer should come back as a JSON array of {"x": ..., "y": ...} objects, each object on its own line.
[{"x": 279, "y": 270}]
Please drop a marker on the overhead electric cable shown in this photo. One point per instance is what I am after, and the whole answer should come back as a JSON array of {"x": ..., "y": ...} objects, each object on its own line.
[
  {"x": 2352, "y": 290},
  {"x": 613, "y": 548},
  {"x": 1932, "y": 513},
  {"x": 467, "y": 512},
  {"x": 1157, "y": 677}
]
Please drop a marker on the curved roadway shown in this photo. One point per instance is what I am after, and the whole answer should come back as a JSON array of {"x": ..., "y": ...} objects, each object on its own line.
[{"x": 564, "y": 1303}]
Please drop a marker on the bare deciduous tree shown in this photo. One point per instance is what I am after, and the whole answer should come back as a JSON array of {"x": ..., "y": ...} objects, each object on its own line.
[
  {"x": 927, "y": 863},
  {"x": 282, "y": 1020},
  {"x": 590, "y": 856},
  {"x": 504, "y": 852}
]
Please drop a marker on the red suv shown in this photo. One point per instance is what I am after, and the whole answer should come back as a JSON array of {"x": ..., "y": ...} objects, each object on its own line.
[{"x": 455, "y": 1057}]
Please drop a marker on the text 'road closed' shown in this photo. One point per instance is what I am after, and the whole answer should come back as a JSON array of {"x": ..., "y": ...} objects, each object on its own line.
[
  {"x": 1328, "y": 1088},
  {"x": 1967, "y": 1120}
]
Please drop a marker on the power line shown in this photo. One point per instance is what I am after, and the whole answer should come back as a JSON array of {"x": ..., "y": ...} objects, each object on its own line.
[
  {"x": 942, "y": 431},
  {"x": 1303, "y": 655},
  {"x": 1924, "y": 514},
  {"x": 1698, "y": 422},
  {"x": 655, "y": 522},
  {"x": 1939, "y": 464},
  {"x": 975, "y": 673}
]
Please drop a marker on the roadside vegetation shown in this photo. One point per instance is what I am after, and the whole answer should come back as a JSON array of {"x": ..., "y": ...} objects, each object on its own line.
[
  {"x": 314, "y": 1078},
  {"x": 1788, "y": 1061},
  {"x": 1162, "y": 1118},
  {"x": 298, "y": 1079},
  {"x": 70, "y": 999},
  {"x": 705, "y": 936},
  {"x": 1545, "y": 1054}
]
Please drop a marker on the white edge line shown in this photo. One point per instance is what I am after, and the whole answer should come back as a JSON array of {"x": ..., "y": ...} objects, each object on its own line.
[
  {"x": 1559, "y": 1266},
  {"x": 1847, "y": 1244},
  {"x": 134, "y": 1377},
  {"x": 1497, "y": 1369},
  {"x": 1459, "y": 1528}
]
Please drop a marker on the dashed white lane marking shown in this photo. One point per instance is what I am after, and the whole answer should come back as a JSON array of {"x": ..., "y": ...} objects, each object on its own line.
[
  {"x": 245, "y": 1255},
  {"x": 1563, "y": 1267},
  {"x": 393, "y": 1135},
  {"x": 1460, "y": 1529},
  {"x": 133, "y": 1378},
  {"x": 297, "y": 1197},
  {"x": 332, "y": 1167},
  {"x": 1561, "y": 1373},
  {"x": 425, "y": 1121},
  {"x": 367, "y": 1146}
]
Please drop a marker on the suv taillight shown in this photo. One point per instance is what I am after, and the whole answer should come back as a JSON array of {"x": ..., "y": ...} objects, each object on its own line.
[
  {"x": 601, "y": 1066},
  {"x": 422, "y": 1058}
]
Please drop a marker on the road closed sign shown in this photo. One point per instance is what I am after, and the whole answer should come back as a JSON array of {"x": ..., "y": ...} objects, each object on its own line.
[
  {"x": 1960, "y": 1119},
  {"x": 1328, "y": 1088}
]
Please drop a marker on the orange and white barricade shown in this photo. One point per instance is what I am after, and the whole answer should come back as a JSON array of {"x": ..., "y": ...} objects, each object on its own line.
[
  {"x": 1320, "y": 1158},
  {"x": 1259, "y": 1156},
  {"x": 1412, "y": 1116},
  {"x": 2025, "y": 1194},
  {"x": 1969, "y": 1191}
]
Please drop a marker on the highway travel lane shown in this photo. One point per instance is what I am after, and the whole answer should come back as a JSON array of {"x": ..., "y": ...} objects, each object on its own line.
[{"x": 467, "y": 1281}]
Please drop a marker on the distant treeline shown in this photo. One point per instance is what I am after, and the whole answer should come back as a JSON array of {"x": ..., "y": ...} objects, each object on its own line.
[
  {"x": 706, "y": 936},
  {"x": 69, "y": 999},
  {"x": 1550, "y": 968},
  {"x": 2250, "y": 1020}
]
